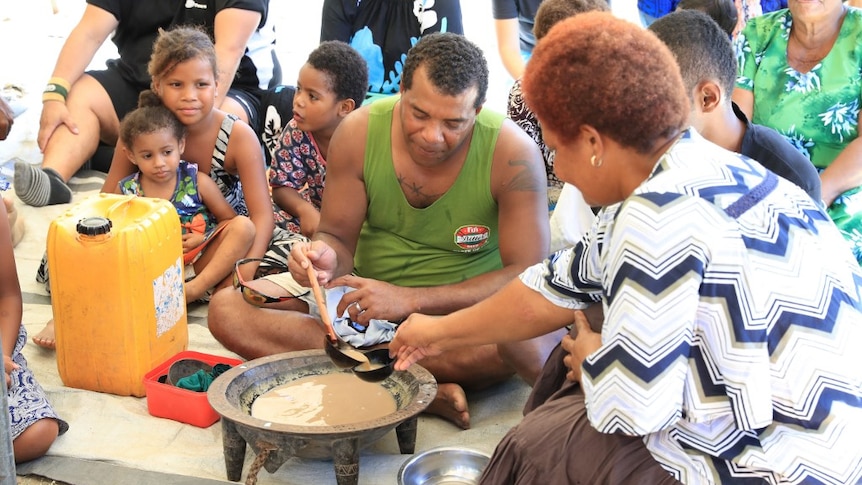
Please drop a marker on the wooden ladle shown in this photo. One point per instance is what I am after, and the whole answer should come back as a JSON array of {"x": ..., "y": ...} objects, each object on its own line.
[
  {"x": 321, "y": 304},
  {"x": 342, "y": 354}
]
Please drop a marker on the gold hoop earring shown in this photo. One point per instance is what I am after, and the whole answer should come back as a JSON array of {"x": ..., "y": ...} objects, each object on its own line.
[{"x": 595, "y": 162}]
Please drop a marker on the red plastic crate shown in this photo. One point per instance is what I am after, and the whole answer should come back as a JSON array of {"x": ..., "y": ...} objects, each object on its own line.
[{"x": 183, "y": 405}]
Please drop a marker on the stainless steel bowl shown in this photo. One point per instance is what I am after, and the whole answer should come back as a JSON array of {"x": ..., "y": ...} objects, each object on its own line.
[{"x": 444, "y": 465}]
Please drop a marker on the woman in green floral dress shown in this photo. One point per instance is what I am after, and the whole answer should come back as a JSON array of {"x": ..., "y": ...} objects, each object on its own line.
[{"x": 799, "y": 73}]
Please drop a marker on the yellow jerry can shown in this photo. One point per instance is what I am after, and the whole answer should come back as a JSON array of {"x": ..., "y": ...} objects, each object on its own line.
[{"x": 116, "y": 274}]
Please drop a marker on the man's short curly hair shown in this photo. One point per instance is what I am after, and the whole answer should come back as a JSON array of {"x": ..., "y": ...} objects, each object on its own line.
[
  {"x": 608, "y": 73},
  {"x": 345, "y": 68},
  {"x": 552, "y": 11},
  {"x": 452, "y": 63}
]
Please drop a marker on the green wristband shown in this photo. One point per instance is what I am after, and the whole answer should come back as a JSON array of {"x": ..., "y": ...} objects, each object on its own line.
[{"x": 55, "y": 92}]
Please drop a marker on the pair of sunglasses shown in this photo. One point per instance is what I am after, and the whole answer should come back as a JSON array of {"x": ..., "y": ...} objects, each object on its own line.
[{"x": 267, "y": 267}]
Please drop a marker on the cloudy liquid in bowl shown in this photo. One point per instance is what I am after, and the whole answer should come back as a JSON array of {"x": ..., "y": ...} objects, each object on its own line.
[
  {"x": 324, "y": 400},
  {"x": 368, "y": 366},
  {"x": 355, "y": 355}
]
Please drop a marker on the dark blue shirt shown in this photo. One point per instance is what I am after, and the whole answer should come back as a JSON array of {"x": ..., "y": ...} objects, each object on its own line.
[
  {"x": 774, "y": 152},
  {"x": 525, "y": 12}
]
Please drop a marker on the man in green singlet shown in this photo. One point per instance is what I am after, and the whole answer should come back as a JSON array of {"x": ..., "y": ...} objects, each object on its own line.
[{"x": 431, "y": 204}]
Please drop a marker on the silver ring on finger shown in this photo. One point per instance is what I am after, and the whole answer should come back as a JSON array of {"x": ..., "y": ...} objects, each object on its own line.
[{"x": 358, "y": 308}]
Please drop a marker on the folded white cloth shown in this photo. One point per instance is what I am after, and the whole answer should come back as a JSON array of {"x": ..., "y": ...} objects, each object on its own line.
[{"x": 377, "y": 332}]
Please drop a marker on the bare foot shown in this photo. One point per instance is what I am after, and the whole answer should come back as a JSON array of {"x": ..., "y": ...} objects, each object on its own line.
[
  {"x": 45, "y": 338},
  {"x": 451, "y": 404}
]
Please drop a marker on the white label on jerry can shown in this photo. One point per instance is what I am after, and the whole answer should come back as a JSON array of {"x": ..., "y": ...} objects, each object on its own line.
[{"x": 169, "y": 297}]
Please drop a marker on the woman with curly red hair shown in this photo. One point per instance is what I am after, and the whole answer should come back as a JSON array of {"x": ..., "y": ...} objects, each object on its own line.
[{"x": 703, "y": 370}]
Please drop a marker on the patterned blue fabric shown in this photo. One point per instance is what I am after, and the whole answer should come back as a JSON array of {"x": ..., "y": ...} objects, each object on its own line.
[
  {"x": 382, "y": 31},
  {"x": 186, "y": 198},
  {"x": 28, "y": 402},
  {"x": 732, "y": 318}
]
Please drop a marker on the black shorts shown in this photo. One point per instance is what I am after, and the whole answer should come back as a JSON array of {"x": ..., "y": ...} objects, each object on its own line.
[
  {"x": 124, "y": 95},
  {"x": 250, "y": 102}
]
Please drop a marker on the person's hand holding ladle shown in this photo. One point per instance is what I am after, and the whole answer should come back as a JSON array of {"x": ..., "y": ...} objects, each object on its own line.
[{"x": 344, "y": 355}]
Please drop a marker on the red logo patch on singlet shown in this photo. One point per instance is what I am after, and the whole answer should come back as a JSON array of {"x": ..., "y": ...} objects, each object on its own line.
[{"x": 471, "y": 238}]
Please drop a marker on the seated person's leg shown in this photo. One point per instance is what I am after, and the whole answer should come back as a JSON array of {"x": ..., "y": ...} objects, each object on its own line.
[
  {"x": 35, "y": 441},
  {"x": 471, "y": 368},
  {"x": 214, "y": 267},
  {"x": 34, "y": 423},
  {"x": 551, "y": 379},
  {"x": 480, "y": 367},
  {"x": 95, "y": 104},
  {"x": 253, "y": 332},
  {"x": 553, "y": 374},
  {"x": 556, "y": 444}
]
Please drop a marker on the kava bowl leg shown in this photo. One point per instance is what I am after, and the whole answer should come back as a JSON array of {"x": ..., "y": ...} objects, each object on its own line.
[
  {"x": 345, "y": 457},
  {"x": 406, "y": 433},
  {"x": 234, "y": 450}
]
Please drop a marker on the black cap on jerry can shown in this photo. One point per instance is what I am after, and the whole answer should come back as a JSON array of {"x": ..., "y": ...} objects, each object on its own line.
[{"x": 94, "y": 226}]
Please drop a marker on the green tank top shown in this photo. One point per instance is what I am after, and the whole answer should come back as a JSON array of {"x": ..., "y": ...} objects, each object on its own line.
[{"x": 453, "y": 239}]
